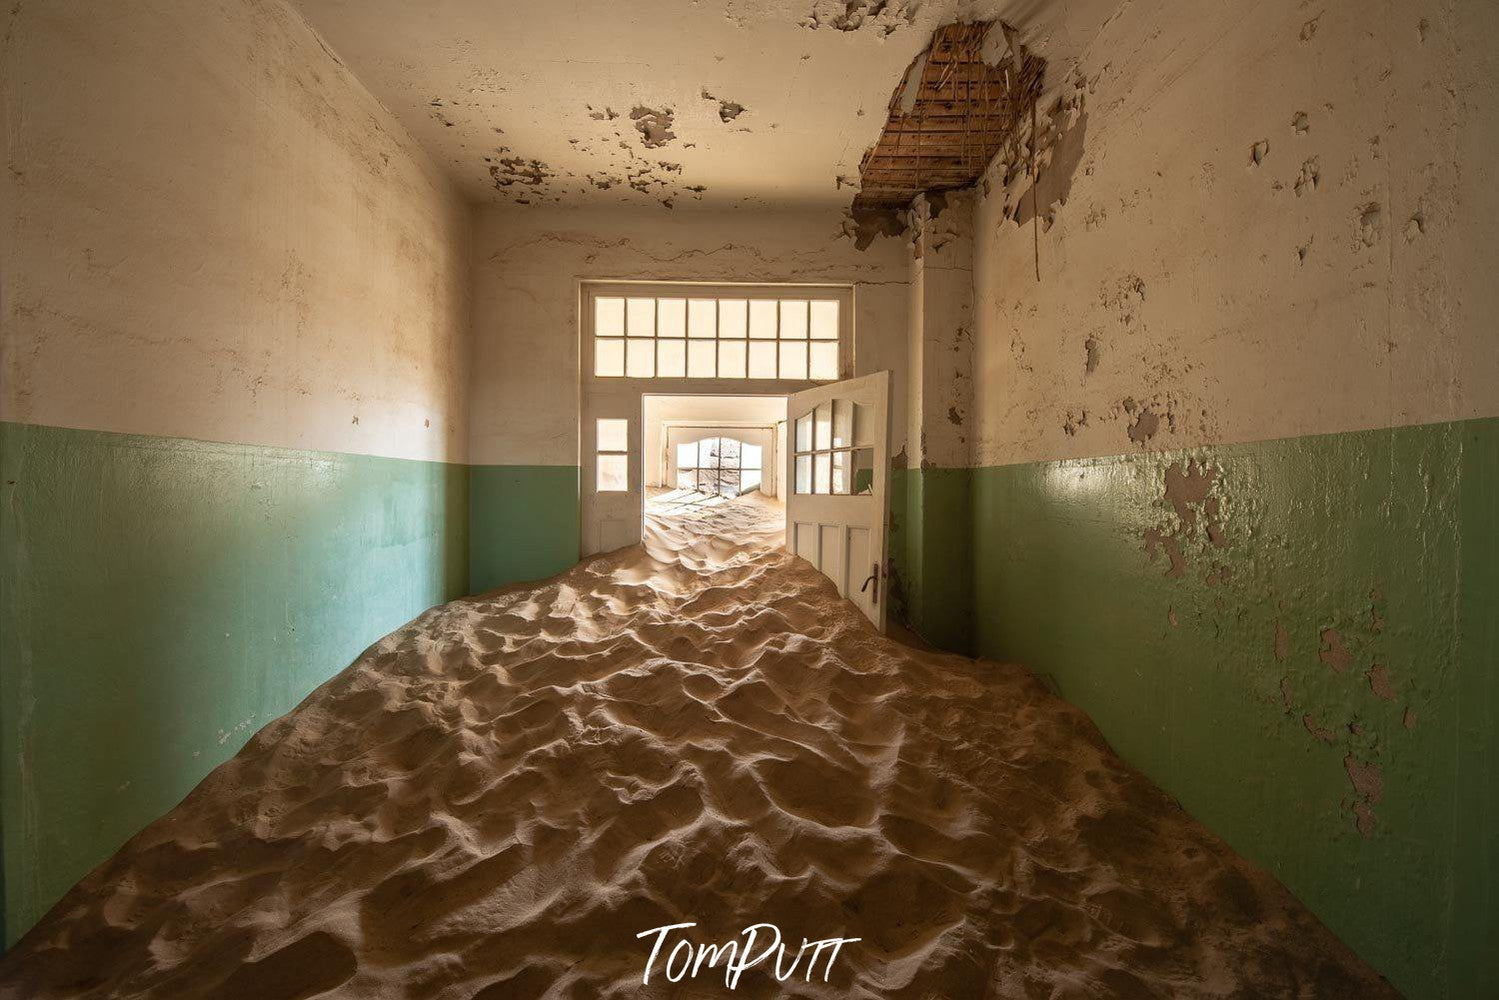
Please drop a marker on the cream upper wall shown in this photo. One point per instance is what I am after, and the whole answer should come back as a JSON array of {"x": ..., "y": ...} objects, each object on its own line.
[
  {"x": 215, "y": 232},
  {"x": 528, "y": 264},
  {"x": 1182, "y": 260}
]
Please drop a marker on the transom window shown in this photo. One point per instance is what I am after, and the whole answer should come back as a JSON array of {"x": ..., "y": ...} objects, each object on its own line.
[
  {"x": 719, "y": 465},
  {"x": 833, "y": 453},
  {"x": 733, "y": 332}
]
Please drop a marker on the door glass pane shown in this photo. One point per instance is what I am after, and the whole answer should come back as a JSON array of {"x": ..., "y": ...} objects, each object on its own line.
[
  {"x": 843, "y": 466},
  {"x": 702, "y": 317},
  {"x": 608, "y": 358},
  {"x": 613, "y": 434},
  {"x": 671, "y": 358},
  {"x": 794, "y": 359},
  {"x": 825, "y": 320},
  {"x": 733, "y": 318},
  {"x": 863, "y": 475},
  {"x": 843, "y": 424},
  {"x": 804, "y": 473},
  {"x": 642, "y": 317},
  {"x": 804, "y": 432},
  {"x": 687, "y": 455},
  {"x": 762, "y": 359},
  {"x": 614, "y": 473},
  {"x": 822, "y": 473},
  {"x": 822, "y": 427},
  {"x": 640, "y": 359},
  {"x": 824, "y": 361},
  {"x": 731, "y": 361},
  {"x": 762, "y": 319},
  {"x": 794, "y": 319},
  {"x": 671, "y": 317},
  {"x": 609, "y": 317},
  {"x": 861, "y": 425},
  {"x": 700, "y": 357}
]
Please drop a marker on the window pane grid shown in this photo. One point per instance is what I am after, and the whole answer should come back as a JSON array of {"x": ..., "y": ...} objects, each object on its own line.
[
  {"x": 719, "y": 465},
  {"x": 611, "y": 454},
  {"x": 790, "y": 338},
  {"x": 828, "y": 457}
]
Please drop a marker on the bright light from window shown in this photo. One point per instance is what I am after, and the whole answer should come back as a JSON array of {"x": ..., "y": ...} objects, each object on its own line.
[
  {"x": 612, "y": 460},
  {"x": 719, "y": 465},
  {"x": 614, "y": 474},
  {"x": 614, "y": 435},
  {"x": 706, "y": 337}
]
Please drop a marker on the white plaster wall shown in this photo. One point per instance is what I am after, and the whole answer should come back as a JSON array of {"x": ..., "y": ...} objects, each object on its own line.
[
  {"x": 1183, "y": 261},
  {"x": 941, "y": 331},
  {"x": 213, "y": 231},
  {"x": 528, "y": 263}
]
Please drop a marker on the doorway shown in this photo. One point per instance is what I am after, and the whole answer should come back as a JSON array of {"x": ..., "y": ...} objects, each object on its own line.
[{"x": 702, "y": 453}]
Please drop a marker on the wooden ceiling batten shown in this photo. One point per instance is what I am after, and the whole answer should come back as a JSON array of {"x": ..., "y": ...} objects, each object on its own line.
[{"x": 962, "y": 111}]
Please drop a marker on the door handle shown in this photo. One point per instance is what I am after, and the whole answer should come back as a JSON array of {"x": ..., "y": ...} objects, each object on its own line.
[{"x": 874, "y": 578}]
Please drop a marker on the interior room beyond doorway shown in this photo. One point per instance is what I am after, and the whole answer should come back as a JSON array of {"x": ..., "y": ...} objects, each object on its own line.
[{"x": 700, "y": 452}]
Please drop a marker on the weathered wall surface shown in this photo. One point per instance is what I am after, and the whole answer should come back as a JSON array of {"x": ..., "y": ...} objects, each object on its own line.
[
  {"x": 1233, "y": 491},
  {"x": 212, "y": 234},
  {"x": 524, "y": 390},
  {"x": 930, "y": 510},
  {"x": 1190, "y": 294}
]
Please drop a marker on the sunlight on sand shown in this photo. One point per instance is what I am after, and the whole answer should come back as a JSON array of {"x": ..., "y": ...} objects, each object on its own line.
[{"x": 496, "y": 799}]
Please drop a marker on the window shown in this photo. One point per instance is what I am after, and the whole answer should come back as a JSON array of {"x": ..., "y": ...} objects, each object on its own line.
[
  {"x": 719, "y": 465},
  {"x": 737, "y": 332},
  {"x": 830, "y": 453},
  {"x": 613, "y": 460}
]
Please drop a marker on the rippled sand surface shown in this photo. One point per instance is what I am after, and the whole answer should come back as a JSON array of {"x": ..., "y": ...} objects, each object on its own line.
[{"x": 495, "y": 800}]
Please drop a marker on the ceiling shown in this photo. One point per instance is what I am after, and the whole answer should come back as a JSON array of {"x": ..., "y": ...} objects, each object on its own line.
[{"x": 598, "y": 102}]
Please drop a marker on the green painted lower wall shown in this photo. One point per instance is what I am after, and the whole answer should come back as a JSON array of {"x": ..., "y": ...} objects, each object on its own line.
[
  {"x": 1297, "y": 639},
  {"x": 932, "y": 574},
  {"x": 523, "y": 523},
  {"x": 162, "y": 599}
]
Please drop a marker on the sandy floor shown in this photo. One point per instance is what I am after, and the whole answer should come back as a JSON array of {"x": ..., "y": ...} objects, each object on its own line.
[{"x": 495, "y": 800}]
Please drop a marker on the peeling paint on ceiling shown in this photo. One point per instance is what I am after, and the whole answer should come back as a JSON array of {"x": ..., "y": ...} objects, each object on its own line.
[{"x": 551, "y": 104}]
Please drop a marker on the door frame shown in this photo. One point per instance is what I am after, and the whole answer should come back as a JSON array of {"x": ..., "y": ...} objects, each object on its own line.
[{"x": 617, "y": 396}]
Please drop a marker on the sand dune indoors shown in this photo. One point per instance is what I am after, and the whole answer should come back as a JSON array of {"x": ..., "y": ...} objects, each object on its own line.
[{"x": 495, "y": 800}]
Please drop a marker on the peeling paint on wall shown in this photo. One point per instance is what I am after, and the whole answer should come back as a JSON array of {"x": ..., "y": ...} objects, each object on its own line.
[
  {"x": 654, "y": 126},
  {"x": 878, "y": 17}
]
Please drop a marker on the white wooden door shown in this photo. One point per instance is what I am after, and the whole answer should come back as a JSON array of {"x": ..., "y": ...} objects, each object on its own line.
[{"x": 838, "y": 474}]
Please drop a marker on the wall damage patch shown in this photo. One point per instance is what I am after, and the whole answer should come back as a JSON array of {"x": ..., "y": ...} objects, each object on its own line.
[
  {"x": 654, "y": 126},
  {"x": 949, "y": 115},
  {"x": 879, "y": 17},
  {"x": 727, "y": 110},
  {"x": 1334, "y": 654}
]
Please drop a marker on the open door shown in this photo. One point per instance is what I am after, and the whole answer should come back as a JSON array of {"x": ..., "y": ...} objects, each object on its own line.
[{"x": 838, "y": 469}]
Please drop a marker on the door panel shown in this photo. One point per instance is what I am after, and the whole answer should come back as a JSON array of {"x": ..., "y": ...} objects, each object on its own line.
[
  {"x": 806, "y": 541},
  {"x": 830, "y": 556},
  {"x": 837, "y": 465},
  {"x": 859, "y": 567}
]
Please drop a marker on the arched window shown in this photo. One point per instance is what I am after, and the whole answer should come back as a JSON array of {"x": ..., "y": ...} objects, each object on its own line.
[{"x": 719, "y": 465}]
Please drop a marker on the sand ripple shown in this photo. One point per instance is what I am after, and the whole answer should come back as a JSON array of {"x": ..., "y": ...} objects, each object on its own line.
[{"x": 494, "y": 800}]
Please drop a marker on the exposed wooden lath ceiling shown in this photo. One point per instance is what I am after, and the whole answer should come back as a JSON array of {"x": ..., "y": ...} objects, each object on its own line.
[{"x": 948, "y": 117}]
